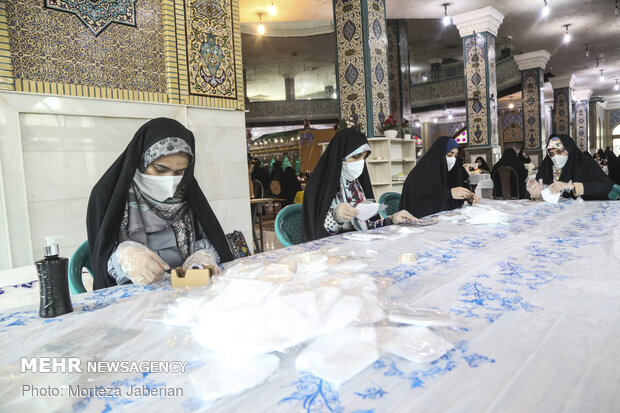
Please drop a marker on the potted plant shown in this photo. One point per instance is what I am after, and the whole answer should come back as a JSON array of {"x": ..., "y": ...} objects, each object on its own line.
[
  {"x": 405, "y": 129},
  {"x": 389, "y": 127}
]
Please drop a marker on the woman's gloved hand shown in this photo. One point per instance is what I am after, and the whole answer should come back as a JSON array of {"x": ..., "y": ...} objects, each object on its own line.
[
  {"x": 141, "y": 265},
  {"x": 403, "y": 216},
  {"x": 534, "y": 187},
  {"x": 202, "y": 258},
  {"x": 344, "y": 213},
  {"x": 560, "y": 187}
]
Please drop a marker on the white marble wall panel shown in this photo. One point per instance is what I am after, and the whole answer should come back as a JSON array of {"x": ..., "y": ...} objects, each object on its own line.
[{"x": 58, "y": 148}]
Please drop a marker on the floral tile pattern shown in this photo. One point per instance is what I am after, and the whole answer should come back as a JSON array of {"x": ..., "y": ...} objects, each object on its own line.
[
  {"x": 97, "y": 15},
  {"x": 52, "y": 46},
  {"x": 378, "y": 46},
  {"x": 477, "y": 91},
  {"x": 211, "y": 48}
]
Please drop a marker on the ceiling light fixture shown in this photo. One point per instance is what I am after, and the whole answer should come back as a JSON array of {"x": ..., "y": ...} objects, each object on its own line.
[
  {"x": 435, "y": 119},
  {"x": 617, "y": 86},
  {"x": 272, "y": 9},
  {"x": 566, "y": 36},
  {"x": 447, "y": 20},
  {"x": 587, "y": 51},
  {"x": 261, "y": 26},
  {"x": 616, "y": 11},
  {"x": 418, "y": 124},
  {"x": 546, "y": 10},
  {"x": 450, "y": 115},
  {"x": 602, "y": 78}
]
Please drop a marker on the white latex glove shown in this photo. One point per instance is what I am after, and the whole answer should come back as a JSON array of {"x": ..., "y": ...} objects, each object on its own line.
[
  {"x": 202, "y": 258},
  {"x": 139, "y": 263},
  {"x": 534, "y": 188},
  {"x": 560, "y": 186},
  {"x": 344, "y": 213},
  {"x": 403, "y": 216}
]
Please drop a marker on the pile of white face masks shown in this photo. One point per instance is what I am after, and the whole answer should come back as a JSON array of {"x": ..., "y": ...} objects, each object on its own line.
[
  {"x": 484, "y": 215},
  {"x": 323, "y": 302}
]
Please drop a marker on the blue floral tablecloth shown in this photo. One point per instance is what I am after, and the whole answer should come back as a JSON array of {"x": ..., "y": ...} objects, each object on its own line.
[{"x": 538, "y": 300}]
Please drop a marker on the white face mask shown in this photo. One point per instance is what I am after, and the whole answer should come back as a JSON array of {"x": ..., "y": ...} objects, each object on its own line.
[
  {"x": 450, "y": 162},
  {"x": 159, "y": 188},
  {"x": 352, "y": 170},
  {"x": 559, "y": 161}
]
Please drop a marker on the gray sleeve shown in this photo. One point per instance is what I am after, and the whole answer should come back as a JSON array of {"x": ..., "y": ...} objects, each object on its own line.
[
  {"x": 204, "y": 244},
  {"x": 115, "y": 271}
]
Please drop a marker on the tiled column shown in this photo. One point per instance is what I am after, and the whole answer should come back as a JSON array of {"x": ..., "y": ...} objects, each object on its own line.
[
  {"x": 361, "y": 41},
  {"x": 532, "y": 66},
  {"x": 562, "y": 103},
  {"x": 478, "y": 30},
  {"x": 398, "y": 58},
  {"x": 582, "y": 113}
]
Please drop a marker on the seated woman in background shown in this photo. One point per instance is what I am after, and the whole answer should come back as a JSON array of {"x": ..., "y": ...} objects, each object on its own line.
[
  {"x": 436, "y": 182},
  {"x": 523, "y": 156},
  {"x": 339, "y": 182},
  {"x": 290, "y": 185},
  {"x": 566, "y": 169},
  {"x": 509, "y": 158},
  {"x": 482, "y": 165},
  {"x": 147, "y": 213}
]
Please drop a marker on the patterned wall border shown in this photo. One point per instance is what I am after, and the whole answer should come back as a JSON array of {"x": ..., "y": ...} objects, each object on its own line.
[
  {"x": 614, "y": 119},
  {"x": 6, "y": 67},
  {"x": 394, "y": 78},
  {"x": 562, "y": 111},
  {"x": 581, "y": 124},
  {"x": 174, "y": 50}
]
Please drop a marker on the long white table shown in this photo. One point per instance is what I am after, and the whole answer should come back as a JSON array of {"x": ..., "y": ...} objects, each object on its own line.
[{"x": 538, "y": 304}]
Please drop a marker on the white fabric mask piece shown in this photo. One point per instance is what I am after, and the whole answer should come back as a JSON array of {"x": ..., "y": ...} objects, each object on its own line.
[
  {"x": 559, "y": 161},
  {"x": 159, "y": 188},
  {"x": 450, "y": 162},
  {"x": 352, "y": 170}
]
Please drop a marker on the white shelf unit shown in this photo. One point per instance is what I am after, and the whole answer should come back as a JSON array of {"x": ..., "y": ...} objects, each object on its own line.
[{"x": 390, "y": 157}]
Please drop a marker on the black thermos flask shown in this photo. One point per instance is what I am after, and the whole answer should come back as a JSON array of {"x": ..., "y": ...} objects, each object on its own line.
[{"x": 54, "y": 282}]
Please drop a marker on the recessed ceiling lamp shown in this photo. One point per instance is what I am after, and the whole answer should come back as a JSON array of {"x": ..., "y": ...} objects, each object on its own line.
[
  {"x": 566, "y": 35},
  {"x": 602, "y": 78},
  {"x": 617, "y": 86},
  {"x": 272, "y": 9},
  {"x": 546, "y": 10},
  {"x": 447, "y": 20},
  {"x": 261, "y": 26}
]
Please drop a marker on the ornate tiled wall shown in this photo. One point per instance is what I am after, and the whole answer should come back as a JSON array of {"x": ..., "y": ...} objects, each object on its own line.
[
  {"x": 137, "y": 52},
  {"x": 532, "y": 99},
  {"x": 56, "y": 47},
  {"x": 481, "y": 89},
  {"x": 581, "y": 124},
  {"x": 592, "y": 123},
  {"x": 562, "y": 111},
  {"x": 443, "y": 129},
  {"x": 361, "y": 40}
]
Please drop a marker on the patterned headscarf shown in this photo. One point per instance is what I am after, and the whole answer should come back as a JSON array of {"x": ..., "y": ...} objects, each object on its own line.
[
  {"x": 555, "y": 143},
  {"x": 166, "y": 146}
]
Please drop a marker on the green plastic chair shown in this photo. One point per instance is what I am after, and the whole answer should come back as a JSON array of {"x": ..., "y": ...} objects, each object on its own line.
[
  {"x": 614, "y": 193},
  {"x": 288, "y": 225},
  {"x": 80, "y": 259},
  {"x": 392, "y": 201}
]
